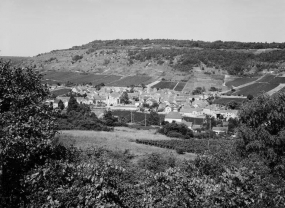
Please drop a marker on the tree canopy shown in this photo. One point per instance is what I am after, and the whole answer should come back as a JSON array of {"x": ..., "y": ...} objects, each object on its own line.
[
  {"x": 262, "y": 129},
  {"x": 27, "y": 128}
]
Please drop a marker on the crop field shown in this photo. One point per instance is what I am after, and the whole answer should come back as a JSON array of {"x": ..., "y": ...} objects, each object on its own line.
[
  {"x": 240, "y": 81},
  {"x": 137, "y": 117},
  {"x": 165, "y": 85},
  {"x": 265, "y": 84},
  {"x": 267, "y": 78},
  {"x": 180, "y": 86},
  {"x": 131, "y": 80},
  {"x": 191, "y": 145},
  {"x": 60, "y": 92},
  {"x": 223, "y": 101},
  {"x": 256, "y": 88}
]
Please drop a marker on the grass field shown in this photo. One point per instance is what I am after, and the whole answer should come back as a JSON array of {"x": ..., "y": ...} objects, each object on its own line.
[
  {"x": 122, "y": 138},
  {"x": 165, "y": 85}
]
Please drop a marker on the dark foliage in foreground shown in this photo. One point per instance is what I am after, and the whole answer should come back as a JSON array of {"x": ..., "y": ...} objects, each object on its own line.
[{"x": 37, "y": 170}]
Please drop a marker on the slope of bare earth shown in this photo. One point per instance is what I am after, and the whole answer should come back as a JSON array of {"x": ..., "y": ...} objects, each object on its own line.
[{"x": 99, "y": 62}]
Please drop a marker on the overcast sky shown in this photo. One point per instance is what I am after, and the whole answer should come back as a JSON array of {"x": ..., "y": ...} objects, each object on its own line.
[{"x": 30, "y": 27}]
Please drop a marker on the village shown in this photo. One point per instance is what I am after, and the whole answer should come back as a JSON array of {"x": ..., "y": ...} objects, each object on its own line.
[{"x": 181, "y": 107}]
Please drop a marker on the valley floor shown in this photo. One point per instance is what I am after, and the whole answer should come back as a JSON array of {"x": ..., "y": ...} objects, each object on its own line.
[{"x": 122, "y": 138}]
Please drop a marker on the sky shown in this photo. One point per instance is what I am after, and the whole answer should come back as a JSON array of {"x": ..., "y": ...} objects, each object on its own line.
[{"x": 30, "y": 27}]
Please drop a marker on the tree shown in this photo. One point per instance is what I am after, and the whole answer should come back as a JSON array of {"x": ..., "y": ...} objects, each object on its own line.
[
  {"x": 72, "y": 104},
  {"x": 233, "y": 105},
  {"x": 27, "y": 130},
  {"x": 154, "y": 105},
  {"x": 109, "y": 119},
  {"x": 249, "y": 97},
  {"x": 125, "y": 98},
  {"x": 198, "y": 90},
  {"x": 61, "y": 105},
  {"x": 262, "y": 131},
  {"x": 153, "y": 118}
]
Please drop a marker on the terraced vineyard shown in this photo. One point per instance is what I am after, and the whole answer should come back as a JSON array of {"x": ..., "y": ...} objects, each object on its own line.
[{"x": 190, "y": 145}]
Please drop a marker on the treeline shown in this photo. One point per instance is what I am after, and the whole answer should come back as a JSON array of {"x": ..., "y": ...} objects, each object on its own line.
[
  {"x": 180, "y": 43},
  {"x": 79, "y": 116},
  {"x": 234, "y": 62}
]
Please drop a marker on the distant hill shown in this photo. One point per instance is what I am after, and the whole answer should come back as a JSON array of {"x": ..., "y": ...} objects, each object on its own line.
[
  {"x": 198, "y": 63},
  {"x": 15, "y": 60}
]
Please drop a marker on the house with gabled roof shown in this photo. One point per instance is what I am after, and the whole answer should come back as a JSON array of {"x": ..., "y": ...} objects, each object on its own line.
[
  {"x": 84, "y": 100},
  {"x": 227, "y": 114},
  {"x": 65, "y": 100},
  {"x": 190, "y": 111},
  {"x": 98, "y": 100},
  {"x": 200, "y": 103}
]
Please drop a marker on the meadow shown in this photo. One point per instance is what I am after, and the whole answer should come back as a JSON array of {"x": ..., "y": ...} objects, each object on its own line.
[{"x": 123, "y": 139}]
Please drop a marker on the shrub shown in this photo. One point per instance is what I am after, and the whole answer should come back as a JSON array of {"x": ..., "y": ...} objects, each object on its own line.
[
  {"x": 180, "y": 151},
  {"x": 76, "y": 58}
]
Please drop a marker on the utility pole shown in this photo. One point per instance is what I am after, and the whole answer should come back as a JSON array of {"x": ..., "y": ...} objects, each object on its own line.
[
  {"x": 144, "y": 119},
  {"x": 131, "y": 116},
  {"x": 209, "y": 134}
]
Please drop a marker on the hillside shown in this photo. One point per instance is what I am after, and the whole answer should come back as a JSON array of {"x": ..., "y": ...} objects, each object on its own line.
[{"x": 196, "y": 62}]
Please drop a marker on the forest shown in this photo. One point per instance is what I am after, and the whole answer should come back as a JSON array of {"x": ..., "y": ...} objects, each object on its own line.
[
  {"x": 38, "y": 170},
  {"x": 235, "y": 63},
  {"x": 180, "y": 43}
]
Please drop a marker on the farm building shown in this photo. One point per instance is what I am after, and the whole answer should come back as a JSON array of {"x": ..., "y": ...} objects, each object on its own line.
[{"x": 173, "y": 116}]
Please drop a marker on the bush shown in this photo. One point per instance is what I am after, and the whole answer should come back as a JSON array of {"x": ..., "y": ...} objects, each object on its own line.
[
  {"x": 174, "y": 134},
  {"x": 76, "y": 58},
  {"x": 180, "y": 151},
  {"x": 176, "y": 130}
]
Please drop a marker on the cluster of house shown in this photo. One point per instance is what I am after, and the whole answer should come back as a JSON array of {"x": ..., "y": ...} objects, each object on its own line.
[{"x": 175, "y": 105}]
